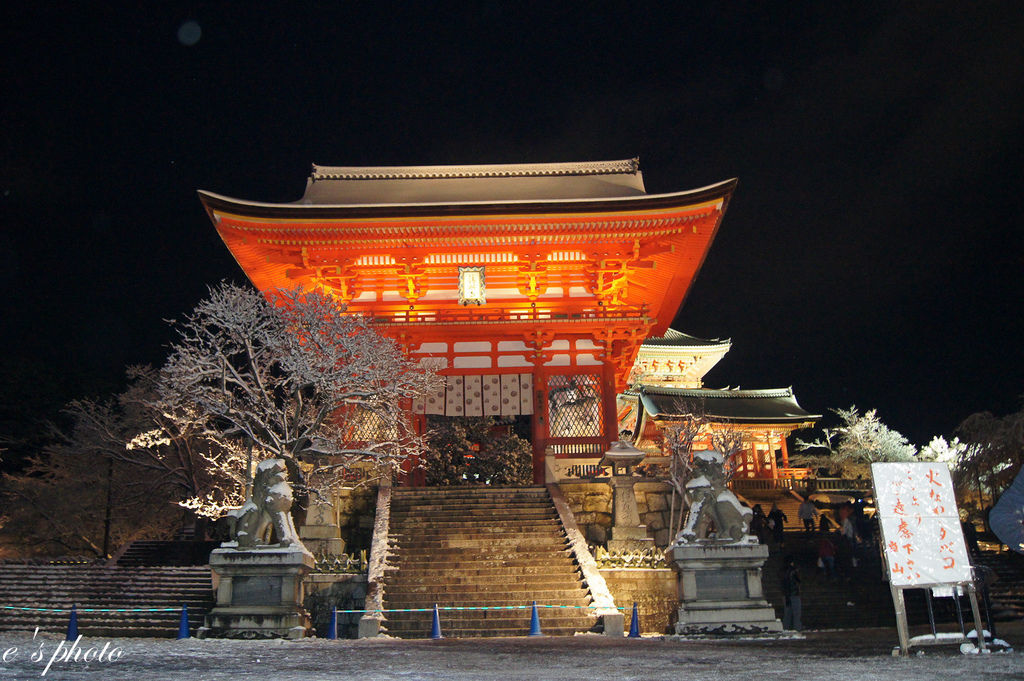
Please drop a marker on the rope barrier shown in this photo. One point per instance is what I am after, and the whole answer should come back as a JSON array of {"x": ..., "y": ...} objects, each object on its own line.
[
  {"x": 12, "y": 607},
  {"x": 476, "y": 607},
  {"x": 440, "y": 607}
]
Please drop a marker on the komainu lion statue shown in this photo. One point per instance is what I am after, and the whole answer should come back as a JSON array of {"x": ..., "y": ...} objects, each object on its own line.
[
  {"x": 268, "y": 509},
  {"x": 712, "y": 503}
]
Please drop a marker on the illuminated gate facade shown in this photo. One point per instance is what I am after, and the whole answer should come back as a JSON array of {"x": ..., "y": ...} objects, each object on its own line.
[{"x": 529, "y": 287}]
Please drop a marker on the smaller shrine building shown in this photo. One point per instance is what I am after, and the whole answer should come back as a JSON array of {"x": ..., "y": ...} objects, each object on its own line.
[{"x": 668, "y": 382}]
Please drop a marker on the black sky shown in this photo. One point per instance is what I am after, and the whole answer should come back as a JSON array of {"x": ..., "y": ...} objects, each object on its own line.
[{"x": 873, "y": 254}]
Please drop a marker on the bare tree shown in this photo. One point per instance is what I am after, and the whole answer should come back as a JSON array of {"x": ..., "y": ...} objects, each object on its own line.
[
  {"x": 680, "y": 438},
  {"x": 994, "y": 454},
  {"x": 78, "y": 496},
  {"x": 729, "y": 441},
  {"x": 297, "y": 378}
]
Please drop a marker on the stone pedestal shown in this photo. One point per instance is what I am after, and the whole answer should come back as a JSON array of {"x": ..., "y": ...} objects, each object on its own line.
[
  {"x": 627, "y": 532},
  {"x": 719, "y": 588},
  {"x": 321, "y": 533},
  {"x": 259, "y": 593}
]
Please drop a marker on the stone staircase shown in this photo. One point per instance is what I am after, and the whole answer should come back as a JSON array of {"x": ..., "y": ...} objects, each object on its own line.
[
  {"x": 1007, "y": 592},
  {"x": 109, "y": 588},
  {"x": 177, "y": 553},
  {"x": 481, "y": 546},
  {"x": 863, "y": 599}
]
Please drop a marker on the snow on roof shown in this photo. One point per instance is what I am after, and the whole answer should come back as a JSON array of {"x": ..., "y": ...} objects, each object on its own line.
[
  {"x": 341, "y": 185},
  {"x": 673, "y": 338}
]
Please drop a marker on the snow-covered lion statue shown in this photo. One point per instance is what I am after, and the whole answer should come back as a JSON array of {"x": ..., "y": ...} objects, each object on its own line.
[
  {"x": 268, "y": 509},
  {"x": 712, "y": 503}
]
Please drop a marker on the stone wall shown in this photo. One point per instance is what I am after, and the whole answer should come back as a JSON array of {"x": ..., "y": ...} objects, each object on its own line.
[
  {"x": 323, "y": 592},
  {"x": 591, "y": 504},
  {"x": 654, "y": 592}
]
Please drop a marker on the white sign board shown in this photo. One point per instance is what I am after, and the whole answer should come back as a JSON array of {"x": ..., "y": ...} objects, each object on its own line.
[{"x": 924, "y": 544}]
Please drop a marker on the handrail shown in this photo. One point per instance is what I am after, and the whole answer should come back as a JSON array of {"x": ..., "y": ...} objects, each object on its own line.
[{"x": 603, "y": 601}]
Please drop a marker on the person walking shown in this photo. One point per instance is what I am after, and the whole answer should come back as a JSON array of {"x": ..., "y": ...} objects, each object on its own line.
[
  {"x": 807, "y": 513},
  {"x": 827, "y": 556},
  {"x": 777, "y": 522},
  {"x": 791, "y": 591},
  {"x": 759, "y": 524}
]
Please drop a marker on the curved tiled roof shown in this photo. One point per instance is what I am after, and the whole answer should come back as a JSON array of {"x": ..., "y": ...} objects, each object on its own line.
[
  {"x": 673, "y": 338},
  {"x": 776, "y": 405}
]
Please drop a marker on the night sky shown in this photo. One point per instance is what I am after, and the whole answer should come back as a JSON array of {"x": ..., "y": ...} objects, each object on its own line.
[{"x": 872, "y": 254}]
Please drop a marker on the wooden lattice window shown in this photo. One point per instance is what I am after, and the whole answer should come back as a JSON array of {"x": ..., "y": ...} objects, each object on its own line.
[{"x": 574, "y": 406}]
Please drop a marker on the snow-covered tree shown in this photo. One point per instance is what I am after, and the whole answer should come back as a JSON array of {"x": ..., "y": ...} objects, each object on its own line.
[
  {"x": 296, "y": 378},
  {"x": 477, "y": 450},
  {"x": 860, "y": 440},
  {"x": 949, "y": 452}
]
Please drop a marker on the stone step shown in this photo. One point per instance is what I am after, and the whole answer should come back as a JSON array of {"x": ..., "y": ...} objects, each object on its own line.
[
  {"x": 464, "y": 590},
  {"x": 131, "y": 591},
  {"x": 440, "y": 567},
  {"x": 475, "y": 534},
  {"x": 88, "y": 590},
  {"x": 518, "y": 584},
  {"x": 479, "y": 526},
  {"x": 514, "y": 542},
  {"x": 470, "y": 525},
  {"x": 472, "y": 570},
  {"x": 467, "y": 514},
  {"x": 462, "y": 553},
  {"x": 474, "y": 491},
  {"x": 573, "y": 597},
  {"x": 439, "y": 504},
  {"x": 525, "y": 585}
]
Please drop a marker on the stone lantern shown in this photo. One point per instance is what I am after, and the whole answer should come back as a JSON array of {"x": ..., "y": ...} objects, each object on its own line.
[{"x": 627, "y": 533}]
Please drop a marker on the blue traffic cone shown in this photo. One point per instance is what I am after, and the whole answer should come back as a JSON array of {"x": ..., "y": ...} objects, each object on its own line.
[
  {"x": 73, "y": 625},
  {"x": 535, "y": 622},
  {"x": 332, "y": 627},
  {"x": 183, "y": 623},
  {"x": 634, "y": 623},
  {"x": 435, "y": 627}
]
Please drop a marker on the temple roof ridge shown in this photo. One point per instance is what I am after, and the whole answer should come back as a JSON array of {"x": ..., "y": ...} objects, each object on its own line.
[
  {"x": 679, "y": 339},
  {"x": 624, "y": 166},
  {"x": 718, "y": 393}
]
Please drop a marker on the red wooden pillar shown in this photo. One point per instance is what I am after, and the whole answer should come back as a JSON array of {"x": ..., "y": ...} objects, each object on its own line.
[
  {"x": 758, "y": 467},
  {"x": 609, "y": 413},
  {"x": 539, "y": 426}
]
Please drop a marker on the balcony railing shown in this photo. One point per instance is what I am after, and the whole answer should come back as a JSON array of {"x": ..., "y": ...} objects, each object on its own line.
[{"x": 802, "y": 483}]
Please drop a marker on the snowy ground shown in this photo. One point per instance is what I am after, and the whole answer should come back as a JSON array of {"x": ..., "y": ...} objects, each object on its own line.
[{"x": 852, "y": 655}]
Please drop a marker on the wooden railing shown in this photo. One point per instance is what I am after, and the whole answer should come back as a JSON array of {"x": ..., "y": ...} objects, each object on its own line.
[{"x": 802, "y": 483}]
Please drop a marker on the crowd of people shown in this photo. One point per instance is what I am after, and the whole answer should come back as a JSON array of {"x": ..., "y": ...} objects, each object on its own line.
[{"x": 842, "y": 538}]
